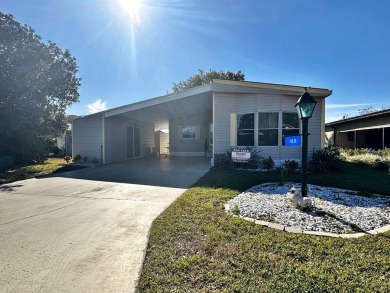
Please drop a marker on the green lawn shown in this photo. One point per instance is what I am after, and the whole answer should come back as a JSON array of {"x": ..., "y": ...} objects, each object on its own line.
[
  {"x": 31, "y": 171},
  {"x": 195, "y": 247}
]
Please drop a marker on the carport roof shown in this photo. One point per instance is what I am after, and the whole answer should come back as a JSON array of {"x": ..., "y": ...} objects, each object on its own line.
[
  {"x": 361, "y": 117},
  {"x": 199, "y": 100},
  {"x": 226, "y": 86}
]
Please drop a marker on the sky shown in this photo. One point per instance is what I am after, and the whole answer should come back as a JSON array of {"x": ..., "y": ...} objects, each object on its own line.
[{"x": 129, "y": 50}]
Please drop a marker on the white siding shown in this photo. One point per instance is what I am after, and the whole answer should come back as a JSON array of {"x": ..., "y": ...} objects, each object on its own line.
[
  {"x": 315, "y": 130},
  {"x": 225, "y": 104},
  {"x": 87, "y": 136},
  {"x": 116, "y": 137}
]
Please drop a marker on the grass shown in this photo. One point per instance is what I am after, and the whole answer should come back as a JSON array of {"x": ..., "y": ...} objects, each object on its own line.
[
  {"x": 196, "y": 247},
  {"x": 51, "y": 165}
]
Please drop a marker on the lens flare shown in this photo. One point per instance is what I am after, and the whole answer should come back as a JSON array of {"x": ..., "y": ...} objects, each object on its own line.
[{"x": 132, "y": 9}]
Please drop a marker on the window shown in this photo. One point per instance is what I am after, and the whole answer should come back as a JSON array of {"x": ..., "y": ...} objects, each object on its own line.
[
  {"x": 246, "y": 129},
  {"x": 290, "y": 125},
  {"x": 189, "y": 132},
  {"x": 268, "y": 129}
]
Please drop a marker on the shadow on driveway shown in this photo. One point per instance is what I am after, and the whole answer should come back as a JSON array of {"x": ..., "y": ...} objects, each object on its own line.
[{"x": 176, "y": 172}]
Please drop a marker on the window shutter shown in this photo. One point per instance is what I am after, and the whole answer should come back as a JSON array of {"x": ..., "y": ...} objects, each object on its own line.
[{"x": 233, "y": 129}]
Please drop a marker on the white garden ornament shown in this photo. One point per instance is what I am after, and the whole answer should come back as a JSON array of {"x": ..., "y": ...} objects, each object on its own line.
[{"x": 297, "y": 198}]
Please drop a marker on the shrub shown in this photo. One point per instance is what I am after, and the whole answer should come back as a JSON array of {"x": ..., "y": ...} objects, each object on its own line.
[
  {"x": 290, "y": 165},
  {"x": 85, "y": 159},
  {"x": 95, "y": 161},
  {"x": 223, "y": 161},
  {"x": 76, "y": 158},
  {"x": 287, "y": 166},
  {"x": 325, "y": 160},
  {"x": 382, "y": 164},
  {"x": 268, "y": 163},
  {"x": 67, "y": 159},
  {"x": 368, "y": 157}
]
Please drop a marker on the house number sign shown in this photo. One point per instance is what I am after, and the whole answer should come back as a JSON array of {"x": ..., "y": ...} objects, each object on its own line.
[{"x": 291, "y": 141}]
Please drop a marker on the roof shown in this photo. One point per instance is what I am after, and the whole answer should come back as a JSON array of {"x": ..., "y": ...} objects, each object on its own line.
[
  {"x": 317, "y": 92},
  {"x": 219, "y": 86},
  {"x": 360, "y": 117}
]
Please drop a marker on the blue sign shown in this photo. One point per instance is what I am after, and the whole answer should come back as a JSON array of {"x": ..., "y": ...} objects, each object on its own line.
[{"x": 291, "y": 141}]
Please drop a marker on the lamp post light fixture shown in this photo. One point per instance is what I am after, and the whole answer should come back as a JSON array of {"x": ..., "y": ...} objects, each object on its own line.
[{"x": 305, "y": 108}]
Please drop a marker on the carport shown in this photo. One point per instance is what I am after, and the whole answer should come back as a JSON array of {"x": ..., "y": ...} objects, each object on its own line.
[{"x": 129, "y": 131}]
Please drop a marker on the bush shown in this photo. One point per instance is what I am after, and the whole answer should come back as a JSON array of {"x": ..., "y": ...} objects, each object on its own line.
[
  {"x": 223, "y": 161},
  {"x": 382, "y": 164},
  {"x": 367, "y": 157},
  {"x": 95, "y": 161},
  {"x": 325, "y": 160},
  {"x": 76, "y": 158},
  {"x": 268, "y": 163},
  {"x": 67, "y": 159},
  {"x": 290, "y": 165}
]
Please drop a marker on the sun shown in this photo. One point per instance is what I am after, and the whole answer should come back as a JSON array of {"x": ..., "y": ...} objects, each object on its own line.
[{"x": 131, "y": 8}]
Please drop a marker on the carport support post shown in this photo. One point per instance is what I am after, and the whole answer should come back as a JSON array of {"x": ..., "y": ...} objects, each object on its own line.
[{"x": 383, "y": 138}]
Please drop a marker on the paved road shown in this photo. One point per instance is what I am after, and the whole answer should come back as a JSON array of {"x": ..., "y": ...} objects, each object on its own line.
[{"x": 63, "y": 234}]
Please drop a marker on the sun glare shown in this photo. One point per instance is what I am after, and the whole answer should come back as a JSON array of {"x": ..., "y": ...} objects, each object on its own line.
[{"x": 131, "y": 8}]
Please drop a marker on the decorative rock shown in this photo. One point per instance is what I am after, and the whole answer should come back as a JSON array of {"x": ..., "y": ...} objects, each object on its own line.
[{"x": 333, "y": 210}]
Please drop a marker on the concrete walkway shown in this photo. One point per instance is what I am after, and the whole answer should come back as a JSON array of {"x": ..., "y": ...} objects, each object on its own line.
[{"x": 85, "y": 231}]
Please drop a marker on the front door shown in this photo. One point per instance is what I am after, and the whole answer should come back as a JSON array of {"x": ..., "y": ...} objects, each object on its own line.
[{"x": 133, "y": 142}]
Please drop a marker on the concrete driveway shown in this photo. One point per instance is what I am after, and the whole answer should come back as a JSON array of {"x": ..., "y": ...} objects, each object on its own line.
[{"x": 87, "y": 230}]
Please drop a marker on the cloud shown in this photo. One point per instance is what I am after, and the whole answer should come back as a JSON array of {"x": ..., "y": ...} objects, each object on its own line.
[
  {"x": 338, "y": 106},
  {"x": 97, "y": 106}
]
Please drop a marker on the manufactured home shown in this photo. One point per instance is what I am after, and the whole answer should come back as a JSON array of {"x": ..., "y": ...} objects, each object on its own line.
[
  {"x": 371, "y": 130},
  {"x": 203, "y": 121}
]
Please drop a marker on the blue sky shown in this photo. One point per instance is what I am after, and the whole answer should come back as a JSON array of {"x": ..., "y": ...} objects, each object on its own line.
[{"x": 126, "y": 56}]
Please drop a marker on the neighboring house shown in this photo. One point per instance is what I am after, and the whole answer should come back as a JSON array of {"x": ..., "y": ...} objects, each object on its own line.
[
  {"x": 203, "y": 121},
  {"x": 366, "y": 131}
]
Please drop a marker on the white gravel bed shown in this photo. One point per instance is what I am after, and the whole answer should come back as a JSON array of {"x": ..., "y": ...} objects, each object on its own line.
[{"x": 334, "y": 210}]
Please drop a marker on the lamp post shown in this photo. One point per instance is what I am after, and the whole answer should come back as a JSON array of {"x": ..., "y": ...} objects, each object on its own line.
[{"x": 305, "y": 108}]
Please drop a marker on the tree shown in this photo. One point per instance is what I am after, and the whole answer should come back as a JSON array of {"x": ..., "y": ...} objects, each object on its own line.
[
  {"x": 369, "y": 110},
  {"x": 37, "y": 83},
  {"x": 203, "y": 77}
]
